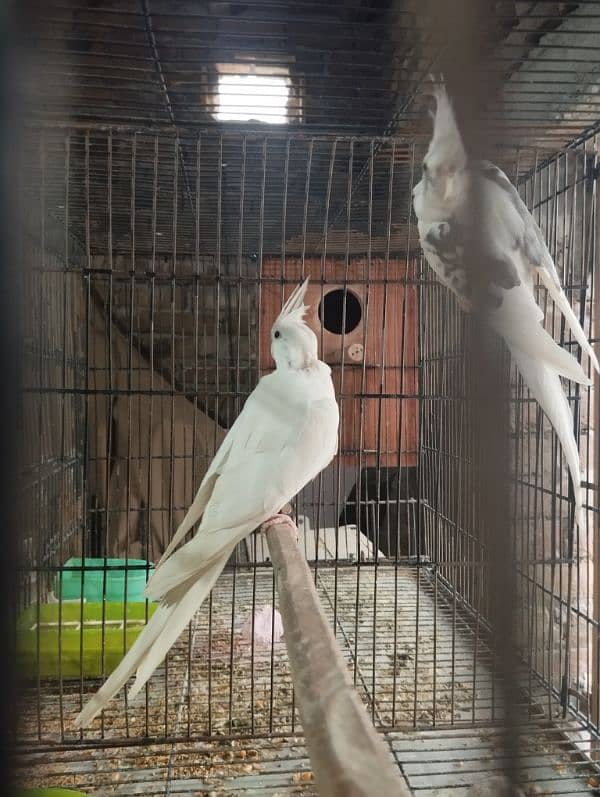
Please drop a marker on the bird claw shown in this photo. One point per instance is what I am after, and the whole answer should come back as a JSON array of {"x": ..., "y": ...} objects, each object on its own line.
[
  {"x": 435, "y": 86},
  {"x": 464, "y": 304},
  {"x": 277, "y": 520}
]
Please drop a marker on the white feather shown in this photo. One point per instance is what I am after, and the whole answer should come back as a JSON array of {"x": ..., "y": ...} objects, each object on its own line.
[
  {"x": 545, "y": 386},
  {"x": 518, "y": 322},
  {"x": 284, "y": 436}
]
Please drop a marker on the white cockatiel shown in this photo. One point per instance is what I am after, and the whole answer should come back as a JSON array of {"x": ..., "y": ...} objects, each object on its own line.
[
  {"x": 482, "y": 242},
  {"x": 285, "y": 435}
]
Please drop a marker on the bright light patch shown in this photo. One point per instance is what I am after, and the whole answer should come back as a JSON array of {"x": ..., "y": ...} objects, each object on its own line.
[{"x": 245, "y": 98}]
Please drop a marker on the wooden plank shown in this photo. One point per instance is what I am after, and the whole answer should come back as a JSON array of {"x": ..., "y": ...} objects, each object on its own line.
[{"x": 348, "y": 757}]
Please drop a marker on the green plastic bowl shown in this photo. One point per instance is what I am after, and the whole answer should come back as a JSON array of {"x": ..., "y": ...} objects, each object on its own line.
[
  {"x": 50, "y": 793},
  {"x": 91, "y": 649},
  {"x": 101, "y": 584}
]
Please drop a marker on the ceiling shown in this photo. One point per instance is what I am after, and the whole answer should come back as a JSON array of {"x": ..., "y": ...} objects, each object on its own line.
[
  {"x": 355, "y": 66},
  {"x": 145, "y": 168}
]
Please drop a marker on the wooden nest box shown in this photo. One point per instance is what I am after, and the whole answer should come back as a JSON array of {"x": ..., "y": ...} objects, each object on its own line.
[{"x": 371, "y": 348}]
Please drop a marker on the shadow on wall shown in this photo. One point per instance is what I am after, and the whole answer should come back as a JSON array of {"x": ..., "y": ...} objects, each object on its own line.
[
  {"x": 384, "y": 510},
  {"x": 149, "y": 449}
]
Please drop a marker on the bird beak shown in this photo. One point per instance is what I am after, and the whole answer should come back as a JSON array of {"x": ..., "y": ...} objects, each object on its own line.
[{"x": 449, "y": 189}]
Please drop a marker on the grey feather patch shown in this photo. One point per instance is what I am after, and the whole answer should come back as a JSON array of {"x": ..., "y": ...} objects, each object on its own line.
[
  {"x": 532, "y": 244},
  {"x": 496, "y": 175},
  {"x": 477, "y": 279},
  {"x": 501, "y": 271}
]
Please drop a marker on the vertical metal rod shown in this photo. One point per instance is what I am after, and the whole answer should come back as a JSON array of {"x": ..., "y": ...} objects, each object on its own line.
[
  {"x": 488, "y": 387},
  {"x": 150, "y": 510},
  {"x": 595, "y": 668},
  {"x": 63, "y": 379},
  {"x": 130, "y": 342},
  {"x": 86, "y": 287},
  {"x": 330, "y": 174},
  {"x": 338, "y": 461},
  {"x": 309, "y": 159},
  {"x": 110, "y": 459},
  {"x": 42, "y": 332},
  {"x": 358, "y": 501}
]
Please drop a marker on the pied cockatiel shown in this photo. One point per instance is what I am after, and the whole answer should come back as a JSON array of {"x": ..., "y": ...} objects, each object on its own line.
[
  {"x": 285, "y": 435},
  {"x": 482, "y": 242}
]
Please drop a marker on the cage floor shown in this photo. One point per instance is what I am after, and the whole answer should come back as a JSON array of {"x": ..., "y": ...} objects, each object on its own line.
[
  {"x": 435, "y": 763},
  {"x": 417, "y": 661}
]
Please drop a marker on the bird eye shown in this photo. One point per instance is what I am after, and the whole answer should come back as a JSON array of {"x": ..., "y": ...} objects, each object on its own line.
[{"x": 277, "y": 334}]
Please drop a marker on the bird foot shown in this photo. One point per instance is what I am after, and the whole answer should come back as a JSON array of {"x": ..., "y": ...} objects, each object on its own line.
[
  {"x": 278, "y": 519},
  {"x": 464, "y": 304},
  {"x": 435, "y": 85}
]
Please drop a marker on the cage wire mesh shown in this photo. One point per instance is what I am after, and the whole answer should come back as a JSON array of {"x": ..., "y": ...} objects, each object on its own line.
[
  {"x": 154, "y": 263},
  {"x": 154, "y": 267}
]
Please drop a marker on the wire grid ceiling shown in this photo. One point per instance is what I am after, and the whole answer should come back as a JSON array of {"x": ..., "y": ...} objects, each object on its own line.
[{"x": 159, "y": 61}]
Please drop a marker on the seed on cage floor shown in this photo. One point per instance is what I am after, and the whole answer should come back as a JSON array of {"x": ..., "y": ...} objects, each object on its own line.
[
  {"x": 401, "y": 659},
  {"x": 302, "y": 777}
]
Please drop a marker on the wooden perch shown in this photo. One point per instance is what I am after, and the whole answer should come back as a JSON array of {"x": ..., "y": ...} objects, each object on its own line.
[{"x": 348, "y": 757}]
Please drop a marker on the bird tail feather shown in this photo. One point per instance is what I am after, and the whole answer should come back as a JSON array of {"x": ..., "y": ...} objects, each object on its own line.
[
  {"x": 187, "y": 604},
  {"x": 127, "y": 667},
  {"x": 561, "y": 301},
  {"x": 545, "y": 386},
  {"x": 522, "y": 331},
  {"x": 197, "y": 556},
  {"x": 151, "y": 647},
  {"x": 192, "y": 516}
]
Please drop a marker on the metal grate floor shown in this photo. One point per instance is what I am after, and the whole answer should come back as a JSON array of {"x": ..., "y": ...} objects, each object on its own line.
[
  {"x": 418, "y": 664},
  {"x": 435, "y": 763}
]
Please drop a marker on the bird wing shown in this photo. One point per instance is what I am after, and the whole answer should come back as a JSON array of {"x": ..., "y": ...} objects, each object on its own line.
[
  {"x": 278, "y": 436},
  {"x": 281, "y": 440},
  {"x": 531, "y": 244},
  {"x": 252, "y": 432},
  {"x": 205, "y": 490},
  {"x": 486, "y": 260}
]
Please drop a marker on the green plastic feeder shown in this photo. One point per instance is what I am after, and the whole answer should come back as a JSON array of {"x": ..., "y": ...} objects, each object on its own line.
[
  {"x": 51, "y": 793},
  {"x": 52, "y": 642},
  {"x": 105, "y": 583}
]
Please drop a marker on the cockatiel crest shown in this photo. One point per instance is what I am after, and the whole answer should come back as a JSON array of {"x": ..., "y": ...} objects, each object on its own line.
[
  {"x": 294, "y": 307},
  {"x": 482, "y": 242},
  {"x": 293, "y": 343}
]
